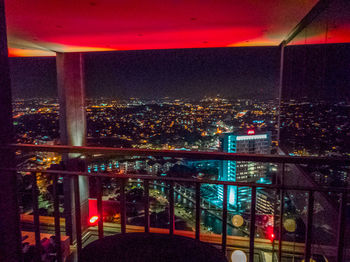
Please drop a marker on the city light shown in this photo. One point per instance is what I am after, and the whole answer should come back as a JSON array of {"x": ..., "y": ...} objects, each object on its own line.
[
  {"x": 250, "y": 137},
  {"x": 270, "y": 233},
  {"x": 251, "y": 132},
  {"x": 238, "y": 256},
  {"x": 93, "y": 220}
]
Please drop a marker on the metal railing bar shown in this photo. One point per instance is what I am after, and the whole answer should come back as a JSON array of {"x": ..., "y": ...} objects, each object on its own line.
[
  {"x": 224, "y": 220},
  {"x": 190, "y": 180},
  {"x": 280, "y": 236},
  {"x": 252, "y": 224},
  {"x": 281, "y": 193},
  {"x": 77, "y": 216},
  {"x": 171, "y": 208},
  {"x": 198, "y": 210},
  {"x": 56, "y": 206},
  {"x": 36, "y": 214},
  {"x": 181, "y": 154},
  {"x": 146, "y": 199},
  {"x": 341, "y": 227},
  {"x": 308, "y": 237},
  {"x": 99, "y": 207},
  {"x": 283, "y": 173},
  {"x": 122, "y": 207}
]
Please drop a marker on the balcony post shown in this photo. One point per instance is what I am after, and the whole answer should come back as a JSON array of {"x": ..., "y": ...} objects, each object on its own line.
[
  {"x": 10, "y": 235},
  {"x": 71, "y": 94}
]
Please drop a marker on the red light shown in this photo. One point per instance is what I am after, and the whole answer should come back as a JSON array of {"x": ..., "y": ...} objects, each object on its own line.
[
  {"x": 251, "y": 132},
  {"x": 93, "y": 219},
  {"x": 270, "y": 233}
]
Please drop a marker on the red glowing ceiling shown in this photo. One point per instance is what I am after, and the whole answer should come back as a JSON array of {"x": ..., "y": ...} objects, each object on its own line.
[{"x": 42, "y": 27}]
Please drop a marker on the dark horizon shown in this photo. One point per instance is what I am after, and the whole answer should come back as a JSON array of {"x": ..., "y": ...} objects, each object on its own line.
[
  {"x": 236, "y": 72},
  {"x": 179, "y": 73}
]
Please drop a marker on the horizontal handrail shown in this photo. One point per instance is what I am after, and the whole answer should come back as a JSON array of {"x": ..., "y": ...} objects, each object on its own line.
[
  {"x": 176, "y": 179},
  {"x": 198, "y": 155}
]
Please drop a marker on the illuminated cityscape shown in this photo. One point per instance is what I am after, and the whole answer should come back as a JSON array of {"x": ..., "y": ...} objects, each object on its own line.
[
  {"x": 193, "y": 125},
  {"x": 181, "y": 124},
  {"x": 175, "y": 124}
]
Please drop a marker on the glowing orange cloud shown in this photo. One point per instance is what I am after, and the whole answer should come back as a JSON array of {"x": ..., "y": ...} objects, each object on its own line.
[{"x": 17, "y": 52}]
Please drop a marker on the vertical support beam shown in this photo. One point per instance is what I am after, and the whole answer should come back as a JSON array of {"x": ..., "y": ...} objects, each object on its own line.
[
  {"x": 10, "y": 235},
  {"x": 283, "y": 174},
  {"x": 280, "y": 88},
  {"x": 36, "y": 217},
  {"x": 198, "y": 211},
  {"x": 77, "y": 216},
  {"x": 279, "y": 192},
  {"x": 224, "y": 220},
  {"x": 280, "y": 235},
  {"x": 146, "y": 199},
  {"x": 71, "y": 94},
  {"x": 171, "y": 208},
  {"x": 308, "y": 237},
  {"x": 122, "y": 206},
  {"x": 56, "y": 205},
  {"x": 252, "y": 224},
  {"x": 99, "y": 206},
  {"x": 341, "y": 227}
]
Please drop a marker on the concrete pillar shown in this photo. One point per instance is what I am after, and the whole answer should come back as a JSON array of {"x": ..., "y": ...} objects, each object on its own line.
[
  {"x": 10, "y": 235},
  {"x": 71, "y": 94}
]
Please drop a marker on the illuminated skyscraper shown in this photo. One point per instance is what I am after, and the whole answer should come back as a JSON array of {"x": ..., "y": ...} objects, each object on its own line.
[{"x": 243, "y": 171}]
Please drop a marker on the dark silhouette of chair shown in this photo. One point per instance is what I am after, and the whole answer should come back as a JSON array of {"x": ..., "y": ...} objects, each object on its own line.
[{"x": 148, "y": 247}]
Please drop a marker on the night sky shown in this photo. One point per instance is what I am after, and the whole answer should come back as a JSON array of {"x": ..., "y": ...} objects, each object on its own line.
[
  {"x": 33, "y": 77},
  {"x": 313, "y": 71},
  {"x": 180, "y": 73},
  {"x": 317, "y": 72}
]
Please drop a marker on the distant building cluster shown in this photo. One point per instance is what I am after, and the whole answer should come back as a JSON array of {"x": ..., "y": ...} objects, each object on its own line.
[
  {"x": 161, "y": 124},
  {"x": 150, "y": 165},
  {"x": 316, "y": 128}
]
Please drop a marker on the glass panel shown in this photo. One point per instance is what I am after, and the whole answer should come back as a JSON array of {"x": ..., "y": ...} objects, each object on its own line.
[{"x": 328, "y": 27}]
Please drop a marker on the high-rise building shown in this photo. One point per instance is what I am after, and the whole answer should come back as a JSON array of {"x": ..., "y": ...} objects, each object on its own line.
[{"x": 243, "y": 171}]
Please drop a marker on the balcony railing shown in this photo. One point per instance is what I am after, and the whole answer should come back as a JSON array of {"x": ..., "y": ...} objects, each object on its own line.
[{"x": 279, "y": 188}]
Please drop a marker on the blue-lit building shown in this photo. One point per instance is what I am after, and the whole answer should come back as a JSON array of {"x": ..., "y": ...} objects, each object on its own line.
[{"x": 248, "y": 142}]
